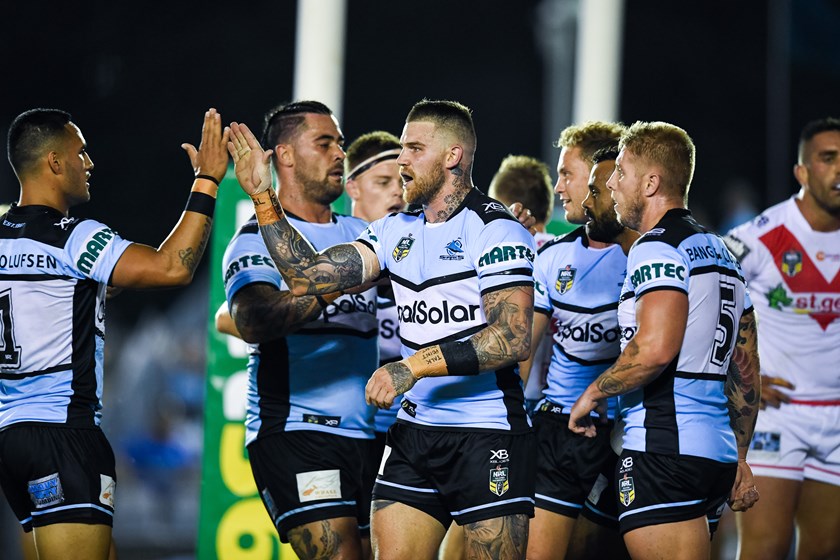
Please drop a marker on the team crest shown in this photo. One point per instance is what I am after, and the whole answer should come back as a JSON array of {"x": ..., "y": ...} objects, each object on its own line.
[
  {"x": 454, "y": 251},
  {"x": 402, "y": 248},
  {"x": 626, "y": 490},
  {"x": 499, "y": 483},
  {"x": 792, "y": 263},
  {"x": 565, "y": 279}
]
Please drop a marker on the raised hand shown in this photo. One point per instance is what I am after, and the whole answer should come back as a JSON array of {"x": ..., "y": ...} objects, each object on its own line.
[
  {"x": 250, "y": 161},
  {"x": 211, "y": 157},
  {"x": 524, "y": 216}
]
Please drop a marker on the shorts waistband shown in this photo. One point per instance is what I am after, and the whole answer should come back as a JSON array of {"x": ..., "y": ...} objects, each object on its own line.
[{"x": 805, "y": 402}]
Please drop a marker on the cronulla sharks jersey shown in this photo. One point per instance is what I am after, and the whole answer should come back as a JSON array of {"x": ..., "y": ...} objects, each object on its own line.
[
  {"x": 439, "y": 273},
  {"x": 315, "y": 378},
  {"x": 794, "y": 278},
  {"x": 579, "y": 287},
  {"x": 53, "y": 274},
  {"x": 683, "y": 411},
  {"x": 390, "y": 350}
]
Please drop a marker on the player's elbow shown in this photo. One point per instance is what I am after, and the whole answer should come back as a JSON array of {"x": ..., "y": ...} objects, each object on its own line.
[
  {"x": 298, "y": 290},
  {"x": 521, "y": 351}
]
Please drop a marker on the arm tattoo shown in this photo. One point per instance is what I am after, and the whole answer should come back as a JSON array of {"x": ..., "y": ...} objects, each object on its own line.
[
  {"x": 189, "y": 256},
  {"x": 336, "y": 268},
  {"x": 304, "y": 545},
  {"x": 507, "y": 338},
  {"x": 263, "y": 313},
  {"x": 743, "y": 388},
  {"x": 401, "y": 377},
  {"x": 626, "y": 374},
  {"x": 500, "y": 538}
]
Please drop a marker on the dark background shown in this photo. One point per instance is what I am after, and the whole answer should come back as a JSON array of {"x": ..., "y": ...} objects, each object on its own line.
[{"x": 137, "y": 78}]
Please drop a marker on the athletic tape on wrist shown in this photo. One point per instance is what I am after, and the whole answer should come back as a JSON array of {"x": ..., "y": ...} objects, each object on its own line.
[
  {"x": 201, "y": 203},
  {"x": 209, "y": 178}
]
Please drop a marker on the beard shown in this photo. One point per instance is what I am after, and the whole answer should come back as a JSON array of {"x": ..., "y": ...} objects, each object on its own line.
[
  {"x": 632, "y": 216},
  {"x": 424, "y": 189},
  {"x": 321, "y": 191},
  {"x": 606, "y": 229}
]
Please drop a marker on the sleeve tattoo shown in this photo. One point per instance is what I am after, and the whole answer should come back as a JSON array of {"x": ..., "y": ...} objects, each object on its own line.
[
  {"x": 743, "y": 387},
  {"x": 507, "y": 338}
]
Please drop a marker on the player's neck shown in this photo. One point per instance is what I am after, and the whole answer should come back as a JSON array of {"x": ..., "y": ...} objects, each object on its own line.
[
  {"x": 656, "y": 209},
  {"x": 445, "y": 202},
  {"x": 817, "y": 217},
  {"x": 294, "y": 202},
  {"x": 43, "y": 195}
]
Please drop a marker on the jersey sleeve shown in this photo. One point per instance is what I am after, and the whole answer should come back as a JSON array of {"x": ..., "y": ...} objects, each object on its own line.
[
  {"x": 657, "y": 266},
  {"x": 742, "y": 243},
  {"x": 246, "y": 261},
  {"x": 542, "y": 301},
  {"x": 504, "y": 256},
  {"x": 95, "y": 249},
  {"x": 371, "y": 237}
]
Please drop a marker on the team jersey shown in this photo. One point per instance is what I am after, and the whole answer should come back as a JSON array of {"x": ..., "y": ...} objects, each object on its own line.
[
  {"x": 542, "y": 358},
  {"x": 683, "y": 411},
  {"x": 439, "y": 273},
  {"x": 578, "y": 287},
  {"x": 389, "y": 351},
  {"x": 54, "y": 272},
  {"x": 794, "y": 277},
  {"x": 315, "y": 378}
]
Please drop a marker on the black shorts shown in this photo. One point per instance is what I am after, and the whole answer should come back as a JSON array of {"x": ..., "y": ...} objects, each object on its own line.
[
  {"x": 305, "y": 476},
  {"x": 568, "y": 464},
  {"x": 57, "y": 474},
  {"x": 600, "y": 506},
  {"x": 467, "y": 476},
  {"x": 375, "y": 448},
  {"x": 652, "y": 489}
]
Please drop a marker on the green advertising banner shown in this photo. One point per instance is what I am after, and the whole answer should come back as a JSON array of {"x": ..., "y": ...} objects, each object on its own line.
[{"x": 233, "y": 524}]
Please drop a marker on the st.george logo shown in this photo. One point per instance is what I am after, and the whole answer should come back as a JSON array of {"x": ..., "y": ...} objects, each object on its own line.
[{"x": 402, "y": 248}]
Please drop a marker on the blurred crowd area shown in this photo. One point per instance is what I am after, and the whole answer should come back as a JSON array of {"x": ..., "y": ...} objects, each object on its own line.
[{"x": 153, "y": 412}]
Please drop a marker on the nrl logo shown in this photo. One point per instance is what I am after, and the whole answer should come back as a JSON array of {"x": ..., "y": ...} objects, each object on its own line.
[
  {"x": 402, "y": 248},
  {"x": 626, "y": 490},
  {"x": 499, "y": 483},
  {"x": 792, "y": 263},
  {"x": 565, "y": 279}
]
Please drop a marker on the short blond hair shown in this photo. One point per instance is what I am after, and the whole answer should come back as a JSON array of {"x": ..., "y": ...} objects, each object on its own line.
[
  {"x": 524, "y": 179},
  {"x": 667, "y": 146},
  {"x": 591, "y": 137}
]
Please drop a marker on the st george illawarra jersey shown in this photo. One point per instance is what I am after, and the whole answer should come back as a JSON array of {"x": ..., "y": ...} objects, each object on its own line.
[
  {"x": 313, "y": 379},
  {"x": 794, "y": 277},
  {"x": 439, "y": 273},
  {"x": 683, "y": 411},
  {"x": 579, "y": 287},
  {"x": 54, "y": 272}
]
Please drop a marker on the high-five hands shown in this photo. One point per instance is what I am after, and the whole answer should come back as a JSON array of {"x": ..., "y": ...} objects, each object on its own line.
[{"x": 251, "y": 163}]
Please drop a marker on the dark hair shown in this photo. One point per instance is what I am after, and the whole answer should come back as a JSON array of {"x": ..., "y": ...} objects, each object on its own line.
[
  {"x": 813, "y": 128},
  {"x": 368, "y": 145},
  {"x": 605, "y": 154},
  {"x": 30, "y": 134},
  {"x": 450, "y": 115},
  {"x": 282, "y": 122},
  {"x": 524, "y": 179}
]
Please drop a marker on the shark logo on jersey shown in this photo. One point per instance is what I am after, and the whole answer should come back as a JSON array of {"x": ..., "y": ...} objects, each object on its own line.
[
  {"x": 494, "y": 207},
  {"x": 565, "y": 279},
  {"x": 499, "y": 480},
  {"x": 402, "y": 248},
  {"x": 626, "y": 490},
  {"x": 792, "y": 263},
  {"x": 454, "y": 251}
]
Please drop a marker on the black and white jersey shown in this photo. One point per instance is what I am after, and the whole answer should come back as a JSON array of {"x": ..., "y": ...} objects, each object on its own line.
[
  {"x": 53, "y": 274},
  {"x": 683, "y": 411},
  {"x": 439, "y": 273}
]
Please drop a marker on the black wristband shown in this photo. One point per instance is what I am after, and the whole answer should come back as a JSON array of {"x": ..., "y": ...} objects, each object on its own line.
[
  {"x": 201, "y": 203},
  {"x": 321, "y": 301},
  {"x": 209, "y": 178},
  {"x": 460, "y": 358}
]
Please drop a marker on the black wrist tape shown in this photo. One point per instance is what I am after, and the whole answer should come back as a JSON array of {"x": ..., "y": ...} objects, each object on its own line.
[
  {"x": 201, "y": 203},
  {"x": 209, "y": 178},
  {"x": 460, "y": 358}
]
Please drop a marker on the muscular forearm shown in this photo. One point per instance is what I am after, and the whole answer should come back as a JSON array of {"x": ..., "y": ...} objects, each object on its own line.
[
  {"x": 632, "y": 369},
  {"x": 743, "y": 385},
  {"x": 263, "y": 314},
  {"x": 305, "y": 270},
  {"x": 188, "y": 239}
]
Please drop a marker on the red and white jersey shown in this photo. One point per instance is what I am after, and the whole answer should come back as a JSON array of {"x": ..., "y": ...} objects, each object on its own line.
[{"x": 793, "y": 274}]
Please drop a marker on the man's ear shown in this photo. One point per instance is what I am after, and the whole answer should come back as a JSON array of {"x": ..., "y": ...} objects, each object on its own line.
[
  {"x": 54, "y": 161},
  {"x": 352, "y": 188},
  {"x": 801, "y": 173},
  {"x": 285, "y": 155},
  {"x": 653, "y": 182},
  {"x": 454, "y": 156}
]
